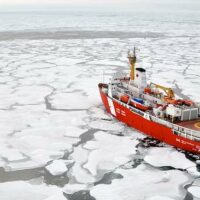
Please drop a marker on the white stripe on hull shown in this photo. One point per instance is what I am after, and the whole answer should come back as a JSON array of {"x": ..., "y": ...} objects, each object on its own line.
[{"x": 111, "y": 105}]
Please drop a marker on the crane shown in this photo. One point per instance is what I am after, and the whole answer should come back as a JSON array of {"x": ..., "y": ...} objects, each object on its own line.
[{"x": 168, "y": 91}]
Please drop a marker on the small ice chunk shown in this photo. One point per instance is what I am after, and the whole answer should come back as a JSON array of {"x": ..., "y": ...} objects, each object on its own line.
[{"x": 57, "y": 167}]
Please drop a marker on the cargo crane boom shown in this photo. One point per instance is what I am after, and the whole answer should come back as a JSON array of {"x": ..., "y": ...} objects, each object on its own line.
[{"x": 168, "y": 91}]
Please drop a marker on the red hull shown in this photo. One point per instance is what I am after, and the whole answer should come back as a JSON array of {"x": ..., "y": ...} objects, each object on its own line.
[{"x": 148, "y": 127}]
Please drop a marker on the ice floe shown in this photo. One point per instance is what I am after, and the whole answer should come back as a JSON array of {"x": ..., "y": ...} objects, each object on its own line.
[
  {"x": 57, "y": 167},
  {"x": 24, "y": 190},
  {"x": 107, "y": 125},
  {"x": 195, "y": 191},
  {"x": 159, "y": 198},
  {"x": 72, "y": 188},
  {"x": 78, "y": 172},
  {"x": 167, "y": 156},
  {"x": 142, "y": 183},
  {"x": 109, "y": 152},
  {"x": 70, "y": 101}
]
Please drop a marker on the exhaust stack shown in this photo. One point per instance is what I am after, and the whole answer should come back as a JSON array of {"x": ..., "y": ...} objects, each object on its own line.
[{"x": 132, "y": 60}]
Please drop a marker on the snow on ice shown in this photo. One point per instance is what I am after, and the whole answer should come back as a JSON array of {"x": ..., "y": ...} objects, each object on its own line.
[
  {"x": 109, "y": 152},
  {"x": 57, "y": 167},
  {"x": 167, "y": 156},
  {"x": 24, "y": 190},
  {"x": 142, "y": 183}
]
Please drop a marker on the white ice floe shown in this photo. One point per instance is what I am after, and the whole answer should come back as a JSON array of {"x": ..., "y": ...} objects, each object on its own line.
[
  {"x": 73, "y": 100},
  {"x": 72, "y": 188},
  {"x": 22, "y": 165},
  {"x": 195, "y": 191},
  {"x": 56, "y": 197},
  {"x": 159, "y": 198},
  {"x": 99, "y": 113},
  {"x": 110, "y": 151},
  {"x": 167, "y": 156},
  {"x": 42, "y": 156},
  {"x": 24, "y": 190},
  {"x": 81, "y": 175},
  {"x": 10, "y": 154},
  {"x": 57, "y": 167},
  {"x": 108, "y": 62},
  {"x": 193, "y": 171},
  {"x": 107, "y": 125},
  {"x": 30, "y": 94},
  {"x": 142, "y": 183},
  {"x": 37, "y": 134},
  {"x": 73, "y": 131}
]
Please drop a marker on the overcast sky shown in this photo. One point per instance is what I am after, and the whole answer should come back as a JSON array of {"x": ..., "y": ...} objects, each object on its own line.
[{"x": 146, "y": 4}]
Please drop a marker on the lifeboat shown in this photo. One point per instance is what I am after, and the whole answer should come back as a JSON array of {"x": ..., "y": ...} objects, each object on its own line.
[
  {"x": 139, "y": 103},
  {"x": 124, "y": 98},
  {"x": 147, "y": 91},
  {"x": 188, "y": 102}
]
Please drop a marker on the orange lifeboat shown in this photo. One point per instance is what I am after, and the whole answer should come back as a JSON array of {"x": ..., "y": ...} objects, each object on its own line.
[
  {"x": 147, "y": 90},
  {"x": 124, "y": 98},
  {"x": 188, "y": 102}
]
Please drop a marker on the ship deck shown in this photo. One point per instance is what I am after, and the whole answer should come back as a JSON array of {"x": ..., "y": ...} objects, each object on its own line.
[{"x": 193, "y": 125}]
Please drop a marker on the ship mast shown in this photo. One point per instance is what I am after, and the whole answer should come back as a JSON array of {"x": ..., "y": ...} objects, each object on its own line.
[{"x": 132, "y": 60}]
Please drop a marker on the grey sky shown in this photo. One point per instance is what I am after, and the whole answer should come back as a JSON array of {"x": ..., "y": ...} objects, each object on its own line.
[{"x": 146, "y": 4}]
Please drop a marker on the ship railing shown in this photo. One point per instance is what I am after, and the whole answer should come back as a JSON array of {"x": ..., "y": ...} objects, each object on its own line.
[
  {"x": 187, "y": 133},
  {"x": 136, "y": 110},
  {"x": 161, "y": 121},
  {"x": 180, "y": 130}
]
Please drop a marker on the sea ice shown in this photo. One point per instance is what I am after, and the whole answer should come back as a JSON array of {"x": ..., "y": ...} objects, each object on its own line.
[
  {"x": 73, "y": 100},
  {"x": 142, "y": 183},
  {"x": 109, "y": 151},
  {"x": 107, "y": 125},
  {"x": 195, "y": 191},
  {"x": 167, "y": 156},
  {"x": 159, "y": 198},
  {"x": 72, "y": 188},
  {"x": 81, "y": 175},
  {"x": 24, "y": 190},
  {"x": 10, "y": 154},
  {"x": 57, "y": 167},
  {"x": 73, "y": 131},
  {"x": 99, "y": 113}
]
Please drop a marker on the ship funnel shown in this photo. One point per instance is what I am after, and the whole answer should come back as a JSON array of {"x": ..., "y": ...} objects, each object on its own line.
[{"x": 132, "y": 60}]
